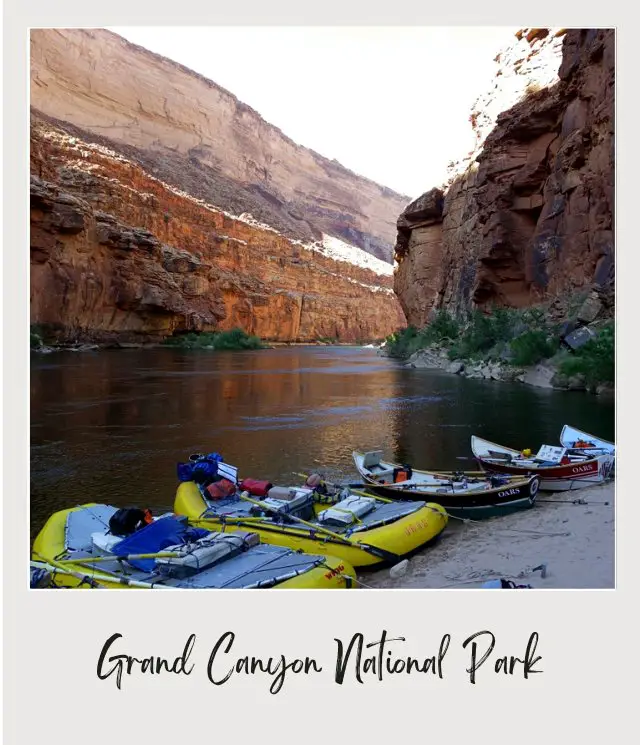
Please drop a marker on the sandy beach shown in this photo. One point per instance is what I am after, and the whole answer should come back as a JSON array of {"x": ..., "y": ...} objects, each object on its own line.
[{"x": 575, "y": 542}]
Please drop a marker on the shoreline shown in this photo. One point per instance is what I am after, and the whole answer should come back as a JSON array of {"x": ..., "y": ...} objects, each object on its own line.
[
  {"x": 90, "y": 347},
  {"x": 540, "y": 375},
  {"x": 575, "y": 542}
]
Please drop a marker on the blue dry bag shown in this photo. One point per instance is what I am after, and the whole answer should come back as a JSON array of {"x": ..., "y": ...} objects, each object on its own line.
[{"x": 185, "y": 471}]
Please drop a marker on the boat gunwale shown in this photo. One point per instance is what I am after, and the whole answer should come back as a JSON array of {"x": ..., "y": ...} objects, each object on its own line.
[
  {"x": 533, "y": 469},
  {"x": 516, "y": 482}
]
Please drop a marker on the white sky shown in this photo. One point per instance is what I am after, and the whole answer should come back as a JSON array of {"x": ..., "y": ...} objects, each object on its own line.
[{"x": 390, "y": 103}]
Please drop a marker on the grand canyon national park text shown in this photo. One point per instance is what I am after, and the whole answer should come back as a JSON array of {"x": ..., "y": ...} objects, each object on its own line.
[{"x": 356, "y": 658}]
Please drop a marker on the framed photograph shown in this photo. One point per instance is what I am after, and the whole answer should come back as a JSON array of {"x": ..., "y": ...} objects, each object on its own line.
[{"x": 319, "y": 299}]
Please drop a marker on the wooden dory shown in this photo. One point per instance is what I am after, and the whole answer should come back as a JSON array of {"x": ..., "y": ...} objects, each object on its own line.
[
  {"x": 559, "y": 468},
  {"x": 573, "y": 438},
  {"x": 470, "y": 494}
]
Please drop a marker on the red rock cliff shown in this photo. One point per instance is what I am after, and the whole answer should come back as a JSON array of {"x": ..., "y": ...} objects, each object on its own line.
[
  {"x": 117, "y": 254},
  {"x": 160, "y": 203},
  {"x": 195, "y": 135},
  {"x": 528, "y": 216}
]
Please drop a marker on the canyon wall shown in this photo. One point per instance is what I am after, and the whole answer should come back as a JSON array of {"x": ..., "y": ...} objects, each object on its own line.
[
  {"x": 528, "y": 215},
  {"x": 117, "y": 255},
  {"x": 196, "y": 136},
  {"x": 162, "y": 204}
]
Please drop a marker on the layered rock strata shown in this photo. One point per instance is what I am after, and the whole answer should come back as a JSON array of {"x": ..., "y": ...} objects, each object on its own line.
[
  {"x": 119, "y": 255},
  {"x": 198, "y": 137}
]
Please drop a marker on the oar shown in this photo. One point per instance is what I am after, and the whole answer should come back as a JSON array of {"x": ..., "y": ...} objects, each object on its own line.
[
  {"x": 129, "y": 557},
  {"x": 224, "y": 518},
  {"x": 350, "y": 487},
  {"x": 398, "y": 488},
  {"x": 51, "y": 564}
]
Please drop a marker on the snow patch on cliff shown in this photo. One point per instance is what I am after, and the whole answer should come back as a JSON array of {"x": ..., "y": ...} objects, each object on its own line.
[
  {"x": 330, "y": 246},
  {"x": 334, "y": 248}
]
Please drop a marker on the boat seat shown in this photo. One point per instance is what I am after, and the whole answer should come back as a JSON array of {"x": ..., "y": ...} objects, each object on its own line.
[
  {"x": 497, "y": 455},
  {"x": 229, "y": 472},
  {"x": 372, "y": 459}
]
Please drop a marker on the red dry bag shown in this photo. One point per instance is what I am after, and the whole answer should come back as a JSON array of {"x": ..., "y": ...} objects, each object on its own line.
[
  {"x": 256, "y": 488},
  {"x": 221, "y": 489}
]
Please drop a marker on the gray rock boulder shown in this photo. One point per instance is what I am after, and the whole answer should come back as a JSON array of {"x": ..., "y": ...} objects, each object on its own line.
[
  {"x": 540, "y": 376},
  {"x": 577, "y": 383},
  {"x": 590, "y": 309},
  {"x": 606, "y": 389}
]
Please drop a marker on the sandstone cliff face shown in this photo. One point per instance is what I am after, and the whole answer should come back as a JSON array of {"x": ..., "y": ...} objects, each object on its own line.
[
  {"x": 530, "y": 218},
  {"x": 198, "y": 137},
  {"x": 118, "y": 255}
]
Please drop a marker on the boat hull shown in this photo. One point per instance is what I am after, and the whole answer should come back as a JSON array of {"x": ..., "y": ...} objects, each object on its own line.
[
  {"x": 561, "y": 477},
  {"x": 384, "y": 544},
  {"x": 475, "y": 505}
]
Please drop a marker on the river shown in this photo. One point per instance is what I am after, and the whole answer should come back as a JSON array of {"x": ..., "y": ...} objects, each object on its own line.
[{"x": 109, "y": 426}]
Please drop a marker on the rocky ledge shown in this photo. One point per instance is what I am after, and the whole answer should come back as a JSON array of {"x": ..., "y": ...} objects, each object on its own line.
[{"x": 542, "y": 375}]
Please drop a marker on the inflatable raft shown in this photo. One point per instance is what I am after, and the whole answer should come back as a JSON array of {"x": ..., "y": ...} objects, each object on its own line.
[
  {"x": 362, "y": 530},
  {"x": 75, "y": 548}
]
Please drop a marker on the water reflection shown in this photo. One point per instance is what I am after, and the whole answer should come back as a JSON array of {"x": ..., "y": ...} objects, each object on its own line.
[
  {"x": 110, "y": 426},
  {"x": 520, "y": 416}
]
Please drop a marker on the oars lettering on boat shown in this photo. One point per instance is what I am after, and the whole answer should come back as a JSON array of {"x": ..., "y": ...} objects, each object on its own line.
[{"x": 387, "y": 555}]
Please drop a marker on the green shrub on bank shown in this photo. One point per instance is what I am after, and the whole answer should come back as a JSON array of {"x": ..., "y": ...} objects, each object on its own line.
[
  {"x": 220, "y": 340},
  {"x": 485, "y": 331},
  {"x": 595, "y": 360},
  {"x": 521, "y": 337},
  {"x": 443, "y": 327},
  {"x": 531, "y": 347},
  {"x": 403, "y": 343}
]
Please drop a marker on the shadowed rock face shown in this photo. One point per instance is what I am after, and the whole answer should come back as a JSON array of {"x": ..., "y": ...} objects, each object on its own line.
[
  {"x": 117, "y": 255},
  {"x": 198, "y": 137},
  {"x": 531, "y": 217}
]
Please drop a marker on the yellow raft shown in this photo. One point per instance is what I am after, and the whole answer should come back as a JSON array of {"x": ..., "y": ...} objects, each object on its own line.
[
  {"x": 73, "y": 569},
  {"x": 397, "y": 528}
]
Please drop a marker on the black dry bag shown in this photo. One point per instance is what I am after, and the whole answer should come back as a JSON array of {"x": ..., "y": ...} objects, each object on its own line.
[{"x": 126, "y": 521}]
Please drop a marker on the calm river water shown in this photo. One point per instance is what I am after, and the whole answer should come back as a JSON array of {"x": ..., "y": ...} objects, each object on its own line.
[{"x": 109, "y": 426}]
